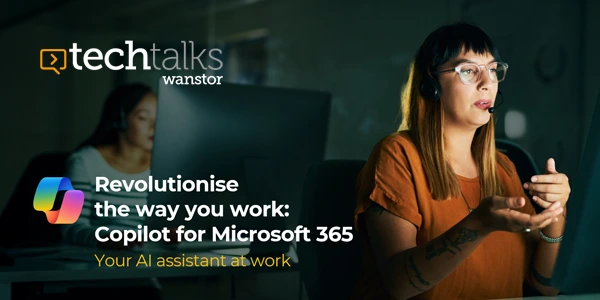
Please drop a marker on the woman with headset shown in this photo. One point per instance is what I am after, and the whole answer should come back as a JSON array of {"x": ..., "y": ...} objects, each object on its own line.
[
  {"x": 120, "y": 149},
  {"x": 443, "y": 214}
]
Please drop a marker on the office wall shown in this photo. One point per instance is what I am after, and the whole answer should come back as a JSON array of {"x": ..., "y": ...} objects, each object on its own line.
[
  {"x": 359, "y": 52},
  {"x": 31, "y": 121},
  {"x": 590, "y": 60}
]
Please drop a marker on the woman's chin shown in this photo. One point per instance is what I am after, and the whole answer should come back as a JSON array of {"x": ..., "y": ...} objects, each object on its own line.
[
  {"x": 149, "y": 147},
  {"x": 480, "y": 121},
  {"x": 483, "y": 117}
]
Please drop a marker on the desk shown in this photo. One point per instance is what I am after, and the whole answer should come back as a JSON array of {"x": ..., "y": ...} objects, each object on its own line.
[
  {"x": 560, "y": 297},
  {"x": 69, "y": 263}
]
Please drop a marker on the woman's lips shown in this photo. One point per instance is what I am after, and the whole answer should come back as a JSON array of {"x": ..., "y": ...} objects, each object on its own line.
[{"x": 483, "y": 103}]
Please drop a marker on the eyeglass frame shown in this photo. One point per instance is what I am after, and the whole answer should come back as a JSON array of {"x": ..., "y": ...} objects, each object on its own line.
[{"x": 459, "y": 67}]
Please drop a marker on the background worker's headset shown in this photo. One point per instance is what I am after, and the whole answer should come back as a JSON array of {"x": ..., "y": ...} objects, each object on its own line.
[
  {"x": 430, "y": 90},
  {"x": 121, "y": 124}
]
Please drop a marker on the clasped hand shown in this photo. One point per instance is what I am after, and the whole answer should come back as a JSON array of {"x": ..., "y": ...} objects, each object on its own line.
[
  {"x": 549, "y": 188},
  {"x": 550, "y": 191}
]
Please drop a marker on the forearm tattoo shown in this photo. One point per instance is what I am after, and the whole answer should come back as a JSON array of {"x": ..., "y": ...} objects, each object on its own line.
[
  {"x": 410, "y": 263},
  {"x": 464, "y": 235},
  {"x": 432, "y": 251},
  {"x": 410, "y": 281}
]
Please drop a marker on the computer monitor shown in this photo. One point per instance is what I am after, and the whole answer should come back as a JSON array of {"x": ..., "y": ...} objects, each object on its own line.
[
  {"x": 265, "y": 138},
  {"x": 578, "y": 265}
]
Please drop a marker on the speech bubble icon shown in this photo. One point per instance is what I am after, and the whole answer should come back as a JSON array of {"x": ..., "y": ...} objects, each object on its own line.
[{"x": 52, "y": 66}]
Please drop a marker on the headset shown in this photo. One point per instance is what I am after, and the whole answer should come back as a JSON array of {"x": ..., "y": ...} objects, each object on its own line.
[
  {"x": 429, "y": 88},
  {"x": 121, "y": 124}
]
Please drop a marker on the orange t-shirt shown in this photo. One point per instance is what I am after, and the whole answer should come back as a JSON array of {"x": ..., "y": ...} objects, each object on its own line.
[{"x": 394, "y": 178}]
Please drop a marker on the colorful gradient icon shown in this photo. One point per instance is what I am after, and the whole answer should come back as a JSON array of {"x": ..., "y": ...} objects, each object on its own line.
[{"x": 45, "y": 197}]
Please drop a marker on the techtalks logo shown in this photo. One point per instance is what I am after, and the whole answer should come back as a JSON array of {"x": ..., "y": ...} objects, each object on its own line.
[
  {"x": 95, "y": 59},
  {"x": 70, "y": 201},
  {"x": 50, "y": 56}
]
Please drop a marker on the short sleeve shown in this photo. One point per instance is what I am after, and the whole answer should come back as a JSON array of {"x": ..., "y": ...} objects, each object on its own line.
[
  {"x": 394, "y": 183},
  {"x": 387, "y": 180}
]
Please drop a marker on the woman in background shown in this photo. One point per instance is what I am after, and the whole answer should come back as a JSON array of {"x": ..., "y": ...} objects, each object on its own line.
[
  {"x": 119, "y": 149},
  {"x": 442, "y": 213}
]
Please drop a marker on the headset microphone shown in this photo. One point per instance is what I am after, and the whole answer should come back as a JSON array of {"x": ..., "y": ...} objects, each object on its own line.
[{"x": 491, "y": 109}]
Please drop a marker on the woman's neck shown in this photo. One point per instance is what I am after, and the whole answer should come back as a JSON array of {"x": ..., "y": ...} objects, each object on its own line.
[
  {"x": 131, "y": 155},
  {"x": 457, "y": 148},
  {"x": 126, "y": 158}
]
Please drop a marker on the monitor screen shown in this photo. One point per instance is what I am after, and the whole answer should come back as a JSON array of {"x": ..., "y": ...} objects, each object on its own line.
[
  {"x": 578, "y": 266},
  {"x": 263, "y": 138}
]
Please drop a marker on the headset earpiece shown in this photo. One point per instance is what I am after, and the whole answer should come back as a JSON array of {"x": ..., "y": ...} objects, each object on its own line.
[
  {"x": 429, "y": 89},
  {"x": 122, "y": 123},
  {"x": 123, "y": 119}
]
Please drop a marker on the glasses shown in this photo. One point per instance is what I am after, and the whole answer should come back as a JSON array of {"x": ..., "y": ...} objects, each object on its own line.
[{"x": 471, "y": 73}]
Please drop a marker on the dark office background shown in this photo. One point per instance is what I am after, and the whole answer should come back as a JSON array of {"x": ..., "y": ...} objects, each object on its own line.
[{"x": 357, "y": 50}]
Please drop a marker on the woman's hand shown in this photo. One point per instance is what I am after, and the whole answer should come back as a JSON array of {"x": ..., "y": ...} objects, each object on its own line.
[
  {"x": 549, "y": 188},
  {"x": 500, "y": 214}
]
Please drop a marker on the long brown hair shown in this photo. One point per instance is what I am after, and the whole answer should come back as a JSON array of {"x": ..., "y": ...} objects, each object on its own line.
[{"x": 423, "y": 118}]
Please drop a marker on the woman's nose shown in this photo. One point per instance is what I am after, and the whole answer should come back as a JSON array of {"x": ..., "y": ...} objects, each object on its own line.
[{"x": 485, "y": 81}]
